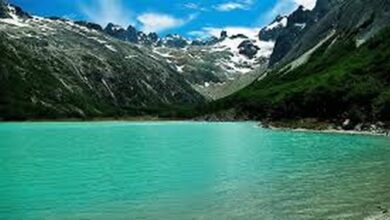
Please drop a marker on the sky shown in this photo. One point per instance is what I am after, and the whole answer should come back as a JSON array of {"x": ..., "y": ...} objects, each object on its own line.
[{"x": 191, "y": 18}]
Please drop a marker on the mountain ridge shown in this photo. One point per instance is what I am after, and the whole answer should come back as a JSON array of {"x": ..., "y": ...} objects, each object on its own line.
[
  {"x": 280, "y": 72},
  {"x": 336, "y": 74},
  {"x": 59, "y": 69}
]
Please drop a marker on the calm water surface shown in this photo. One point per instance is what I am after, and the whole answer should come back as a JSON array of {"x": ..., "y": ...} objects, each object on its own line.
[{"x": 185, "y": 170}]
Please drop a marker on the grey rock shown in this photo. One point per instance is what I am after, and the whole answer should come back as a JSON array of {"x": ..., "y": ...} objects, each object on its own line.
[
  {"x": 176, "y": 41},
  {"x": 223, "y": 35},
  {"x": 267, "y": 34},
  {"x": 248, "y": 49},
  {"x": 90, "y": 25},
  {"x": 243, "y": 36}
]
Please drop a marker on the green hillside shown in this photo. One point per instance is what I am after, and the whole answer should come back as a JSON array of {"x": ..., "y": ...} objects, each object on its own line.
[{"x": 339, "y": 81}]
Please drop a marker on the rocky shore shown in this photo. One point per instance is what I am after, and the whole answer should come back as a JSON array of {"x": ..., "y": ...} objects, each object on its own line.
[{"x": 345, "y": 126}]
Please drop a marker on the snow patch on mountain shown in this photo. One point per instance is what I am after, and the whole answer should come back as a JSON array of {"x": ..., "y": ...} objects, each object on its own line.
[
  {"x": 301, "y": 25},
  {"x": 110, "y": 47},
  {"x": 14, "y": 20},
  {"x": 278, "y": 24},
  {"x": 232, "y": 45}
]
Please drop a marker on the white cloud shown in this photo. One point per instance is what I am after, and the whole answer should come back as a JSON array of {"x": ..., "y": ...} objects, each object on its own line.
[
  {"x": 229, "y": 6},
  {"x": 231, "y": 30},
  {"x": 195, "y": 6},
  {"x": 157, "y": 22},
  {"x": 234, "y": 5},
  {"x": 106, "y": 11},
  {"x": 191, "y": 6}
]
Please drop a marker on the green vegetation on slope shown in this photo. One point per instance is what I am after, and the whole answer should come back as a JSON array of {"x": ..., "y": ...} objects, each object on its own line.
[
  {"x": 339, "y": 81},
  {"x": 51, "y": 69}
]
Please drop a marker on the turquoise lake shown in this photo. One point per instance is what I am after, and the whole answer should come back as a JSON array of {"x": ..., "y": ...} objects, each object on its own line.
[{"x": 189, "y": 170}]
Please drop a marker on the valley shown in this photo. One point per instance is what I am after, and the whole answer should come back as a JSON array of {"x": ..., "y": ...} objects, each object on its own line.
[{"x": 328, "y": 64}]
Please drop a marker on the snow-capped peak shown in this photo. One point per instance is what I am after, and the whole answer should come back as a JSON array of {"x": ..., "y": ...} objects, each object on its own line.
[
  {"x": 114, "y": 27},
  {"x": 13, "y": 17},
  {"x": 280, "y": 22}
]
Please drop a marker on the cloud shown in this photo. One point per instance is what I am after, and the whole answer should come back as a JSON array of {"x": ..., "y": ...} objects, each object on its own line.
[
  {"x": 106, "y": 11},
  {"x": 230, "y": 6},
  {"x": 234, "y": 5},
  {"x": 231, "y": 30},
  {"x": 195, "y": 6},
  {"x": 157, "y": 22}
]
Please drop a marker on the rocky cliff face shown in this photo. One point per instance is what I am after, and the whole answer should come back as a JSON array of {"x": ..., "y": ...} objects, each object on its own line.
[
  {"x": 297, "y": 24},
  {"x": 359, "y": 19},
  {"x": 120, "y": 33},
  {"x": 274, "y": 30},
  {"x": 57, "y": 68}
]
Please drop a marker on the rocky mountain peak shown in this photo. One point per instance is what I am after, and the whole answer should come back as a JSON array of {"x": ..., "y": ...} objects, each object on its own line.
[
  {"x": 10, "y": 11},
  {"x": 272, "y": 31},
  {"x": 113, "y": 27},
  {"x": 153, "y": 37},
  {"x": 116, "y": 31},
  {"x": 148, "y": 39},
  {"x": 300, "y": 15},
  {"x": 175, "y": 40},
  {"x": 223, "y": 35},
  {"x": 19, "y": 12},
  {"x": 90, "y": 25},
  {"x": 297, "y": 23},
  {"x": 278, "y": 18},
  {"x": 131, "y": 34}
]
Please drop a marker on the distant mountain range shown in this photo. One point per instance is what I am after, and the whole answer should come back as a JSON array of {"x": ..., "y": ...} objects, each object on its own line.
[{"x": 54, "y": 67}]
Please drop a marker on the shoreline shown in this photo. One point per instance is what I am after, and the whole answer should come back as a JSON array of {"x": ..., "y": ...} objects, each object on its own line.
[
  {"x": 331, "y": 131},
  {"x": 314, "y": 125},
  {"x": 103, "y": 119}
]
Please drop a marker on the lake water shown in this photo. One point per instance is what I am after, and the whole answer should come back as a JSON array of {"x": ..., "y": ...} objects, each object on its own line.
[{"x": 189, "y": 170}]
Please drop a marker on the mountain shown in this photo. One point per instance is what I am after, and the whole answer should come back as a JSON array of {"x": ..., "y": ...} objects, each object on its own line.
[
  {"x": 58, "y": 68},
  {"x": 328, "y": 64},
  {"x": 295, "y": 25},
  {"x": 336, "y": 70},
  {"x": 361, "y": 19},
  {"x": 98, "y": 71},
  {"x": 274, "y": 30},
  {"x": 220, "y": 66},
  {"x": 216, "y": 67}
]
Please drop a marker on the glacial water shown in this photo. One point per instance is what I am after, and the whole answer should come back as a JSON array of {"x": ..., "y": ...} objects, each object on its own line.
[{"x": 189, "y": 170}]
